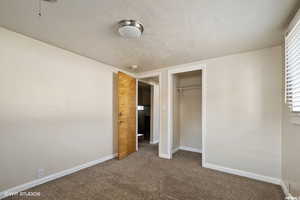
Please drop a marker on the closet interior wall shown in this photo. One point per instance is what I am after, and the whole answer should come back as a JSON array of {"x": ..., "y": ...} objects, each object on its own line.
[{"x": 187, "y": 126}]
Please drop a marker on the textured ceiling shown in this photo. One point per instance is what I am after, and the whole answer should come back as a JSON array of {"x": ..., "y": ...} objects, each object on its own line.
[{"x": 176, "y": 31}]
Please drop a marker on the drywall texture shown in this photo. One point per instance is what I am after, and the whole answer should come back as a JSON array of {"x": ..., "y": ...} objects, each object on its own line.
[
  {"x": 190, "y": 112},
  {"x": 290, "y": 143},
  {"x": 56, "y": 109},
  {"x": 244, "y": 111}
]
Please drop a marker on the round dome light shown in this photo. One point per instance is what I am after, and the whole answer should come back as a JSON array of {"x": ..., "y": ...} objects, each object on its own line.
[{"x": 130, "y": 29}]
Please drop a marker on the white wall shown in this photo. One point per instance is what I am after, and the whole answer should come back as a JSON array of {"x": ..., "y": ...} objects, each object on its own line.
[
  {"x": 244, "y": 112},
  {"x": 156, "y": 113},
  {"x": 290, "y": 143},
  {"x": 176, "y": 115},
  {"x": 56, "y": 109},
  {"x": 243, "y": 95},
  {"x": 290, "y": 151},
  {"x": 165, "y": 146}
]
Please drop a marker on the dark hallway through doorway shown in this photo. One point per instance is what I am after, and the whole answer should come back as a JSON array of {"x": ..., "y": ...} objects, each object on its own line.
[{"x": 144, "y": 112}]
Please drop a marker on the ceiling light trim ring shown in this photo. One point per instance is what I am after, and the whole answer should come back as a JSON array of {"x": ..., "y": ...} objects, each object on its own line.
[{"x": 130, "y": 22}]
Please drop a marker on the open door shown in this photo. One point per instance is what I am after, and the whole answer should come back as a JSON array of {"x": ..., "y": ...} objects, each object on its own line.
[{"x": 127, "y": 115}]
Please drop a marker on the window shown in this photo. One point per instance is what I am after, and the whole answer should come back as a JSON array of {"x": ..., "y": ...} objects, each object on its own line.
[{"x": 292, "y": 68}]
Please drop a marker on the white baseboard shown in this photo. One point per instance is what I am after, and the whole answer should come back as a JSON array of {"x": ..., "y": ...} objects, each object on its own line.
[
  {"x": 165, "y": 156},
  {"x": 154, "y": 142},
  {"x": 243, "y": 173},
  {"x": 51, "y": 177},
  {"x": 285, "y": 189},
  {"x": 185, "y": 148},
  {"x": 175, "y": 150}
]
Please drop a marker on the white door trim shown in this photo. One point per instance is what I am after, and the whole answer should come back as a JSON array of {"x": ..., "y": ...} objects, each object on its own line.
[
  {"x": 149, "y": 75},
  {"x": 171, "y": 72},
  {"x": 136, "y": 114}
]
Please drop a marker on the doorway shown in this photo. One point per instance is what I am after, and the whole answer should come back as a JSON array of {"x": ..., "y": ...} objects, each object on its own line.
[
  {"x": 144, "y": 112},
  {"x": 187, "y": 111},
  {"x": 148, "y": 113}
]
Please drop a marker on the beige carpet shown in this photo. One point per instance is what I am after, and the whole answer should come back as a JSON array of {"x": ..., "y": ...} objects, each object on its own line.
[{"x": 145, "y": 176}]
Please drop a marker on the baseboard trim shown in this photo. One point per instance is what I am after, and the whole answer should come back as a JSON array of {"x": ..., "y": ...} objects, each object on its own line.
[
  {"x": 185, "y": 148},
  {"x": 175, "y": 150},
  {"x": 54, "y": 176},
  {"x": 285, "y": 189},
  {"x": 243, "y": 173},
  {"x": 154, "y": 142},
  {"x": 165, "y": 156}
]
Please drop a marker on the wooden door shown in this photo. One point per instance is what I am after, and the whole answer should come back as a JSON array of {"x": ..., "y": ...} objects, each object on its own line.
[{"x": 127, "y": 115}]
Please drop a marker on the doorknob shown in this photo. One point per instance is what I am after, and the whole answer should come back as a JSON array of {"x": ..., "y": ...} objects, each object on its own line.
[{"x": 120, "y": 121}]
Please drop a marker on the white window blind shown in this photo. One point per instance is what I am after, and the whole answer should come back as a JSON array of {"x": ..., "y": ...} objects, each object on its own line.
[{"x": 292, "y": 68}]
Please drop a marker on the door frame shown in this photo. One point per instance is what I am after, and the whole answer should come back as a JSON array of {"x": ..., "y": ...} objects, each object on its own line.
[
  {"x": 159, "y": 75},
  {"x": 171, "y": 73}
]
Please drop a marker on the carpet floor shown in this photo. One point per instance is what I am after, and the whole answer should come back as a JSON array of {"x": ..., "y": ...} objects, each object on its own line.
[{"x": 145, "y": 176}]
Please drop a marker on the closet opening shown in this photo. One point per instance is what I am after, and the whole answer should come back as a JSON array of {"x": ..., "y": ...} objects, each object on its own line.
[{"x": 186, "y": 113}]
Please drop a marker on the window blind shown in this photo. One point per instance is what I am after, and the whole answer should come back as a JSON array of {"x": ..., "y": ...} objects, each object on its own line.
[{"x": 292, "y": 68}]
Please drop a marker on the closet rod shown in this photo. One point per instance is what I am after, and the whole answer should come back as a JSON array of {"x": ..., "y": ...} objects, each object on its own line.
[{"x": 189, "y": 87}]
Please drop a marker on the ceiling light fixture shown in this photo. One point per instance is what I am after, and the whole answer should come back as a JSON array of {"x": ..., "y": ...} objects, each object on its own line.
[
  {"x": 130, "y": 28},
  {"x": 134, "y": 68}
]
